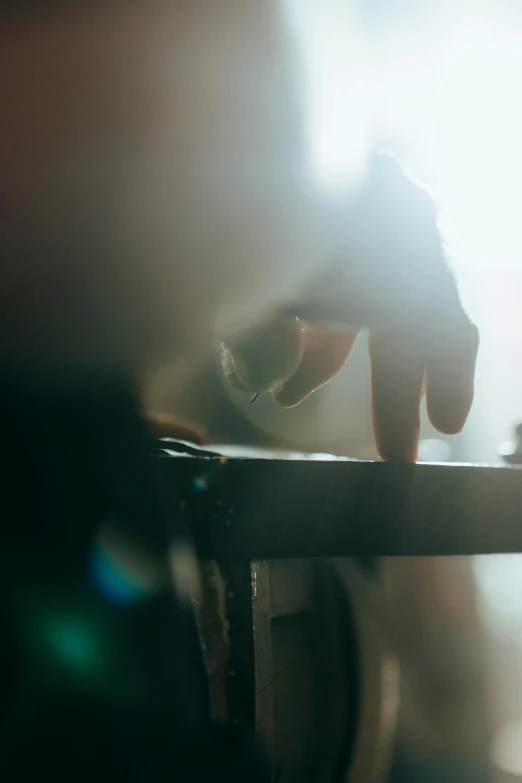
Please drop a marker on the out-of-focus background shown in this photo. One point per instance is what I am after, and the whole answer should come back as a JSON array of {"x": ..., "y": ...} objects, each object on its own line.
[{"x": 439, "y": 83}]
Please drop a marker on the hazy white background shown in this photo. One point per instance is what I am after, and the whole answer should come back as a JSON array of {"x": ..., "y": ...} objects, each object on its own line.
[{"x": 440, "y": 82}]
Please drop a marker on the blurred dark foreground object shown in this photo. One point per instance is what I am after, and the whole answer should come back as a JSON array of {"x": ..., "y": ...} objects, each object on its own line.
[
  {"x": 99, "y": 679},
  {"x": 95, "y": 685},
  {"x": 99, "y": 682}
]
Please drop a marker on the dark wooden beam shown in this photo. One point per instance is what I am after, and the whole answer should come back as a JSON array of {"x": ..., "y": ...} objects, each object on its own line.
[{"x": 264, "y": 509}]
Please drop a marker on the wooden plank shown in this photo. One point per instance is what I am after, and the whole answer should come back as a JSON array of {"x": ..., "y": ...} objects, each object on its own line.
[
  {"x": 249, "y": 674},
  {"x": 240, "y": 684},
  {"x": 267, "y": 509},
  {"x": 292, "y": 587},
  {"x": 262, "y": 632}
]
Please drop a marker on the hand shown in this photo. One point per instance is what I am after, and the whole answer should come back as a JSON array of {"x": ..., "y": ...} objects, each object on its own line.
[
  {"x": 162, "y": 426},
  {"x": 391, "y": 278}
]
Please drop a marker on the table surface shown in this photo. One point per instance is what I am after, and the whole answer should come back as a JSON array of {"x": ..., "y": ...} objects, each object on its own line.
[{"x": 297, "y": 506}]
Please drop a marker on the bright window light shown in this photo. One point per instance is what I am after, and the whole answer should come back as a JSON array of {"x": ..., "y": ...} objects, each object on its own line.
[
  {"x": 478, "y": 154},
  {"x": 334, "y": 86}
]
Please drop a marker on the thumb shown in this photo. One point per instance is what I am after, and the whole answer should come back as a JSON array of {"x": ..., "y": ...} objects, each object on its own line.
[{"x": 325, "y": 352}]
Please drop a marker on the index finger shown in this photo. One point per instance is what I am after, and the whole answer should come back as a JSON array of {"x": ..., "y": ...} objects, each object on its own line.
[{"x": 397, "y": 378}]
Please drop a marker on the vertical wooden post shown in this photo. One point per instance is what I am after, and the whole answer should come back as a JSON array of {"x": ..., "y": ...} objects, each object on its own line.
[
  {"x": 249, "y": 669},
  {"x": 262, "y": 630}
]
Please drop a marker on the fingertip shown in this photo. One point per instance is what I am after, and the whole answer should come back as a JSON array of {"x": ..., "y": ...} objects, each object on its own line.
[
  {"x": 449, "y": 423},
  {"x": 451, "y": 362},
  {"x": 406, "y": 452},
  {"x": 397, "y": 438},
  {"x": 397, "y": 380},
  {"x": 325, "y": 352},
  {"x": 290, "y": 396}
]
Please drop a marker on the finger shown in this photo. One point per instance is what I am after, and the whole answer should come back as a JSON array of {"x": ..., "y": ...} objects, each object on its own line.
[
  {"x": 398, "y": 366},
  {"x": 325, "y": 352},
  {"x": 451, "y": 356},
  {"x": 173, "y": 427},
  {"x": 264, "y": 357}
]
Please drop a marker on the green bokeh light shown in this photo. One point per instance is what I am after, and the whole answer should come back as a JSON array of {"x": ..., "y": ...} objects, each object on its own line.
[{"x": 74, "y": 642}]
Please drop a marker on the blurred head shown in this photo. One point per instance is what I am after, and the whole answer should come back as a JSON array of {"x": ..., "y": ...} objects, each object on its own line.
[{"x": 154, "y": 187}]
